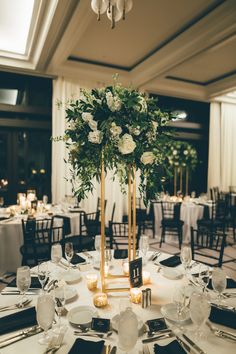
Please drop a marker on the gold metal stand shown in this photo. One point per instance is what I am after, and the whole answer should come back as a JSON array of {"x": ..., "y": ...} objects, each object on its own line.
[
  {"x": 181, "y": 180},
  {"x": 186, "y": 181},
  {"x": 175, "y": 180}
]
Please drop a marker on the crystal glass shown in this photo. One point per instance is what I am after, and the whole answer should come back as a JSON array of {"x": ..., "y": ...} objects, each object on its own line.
[
  {"x": 178, "y": 299},
  {"x": 127, "y": 330},
  {"x": 204, "y": 276},
  {"x": 56, "y": 253},
  {"x": 199, "y": 312},
  {"x": 60, "y": 300},
  {"x": 69, "y": 252},
  {"x": 43, "y": 273},
  {"x": 97, "y": 245},
  {"x": 45, "y": 315},
  {"x": 45, "y": 200},
  {"x": 144, "y": 246},
  {"x": 186, "y": 257},
  {"x": 219, "y": 282},
  {"x": 23, "y": 281}
]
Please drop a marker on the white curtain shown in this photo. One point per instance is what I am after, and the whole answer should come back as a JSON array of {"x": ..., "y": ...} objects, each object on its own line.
[
  {"x": 63, "y": 90},
  {"x": 222, "y": 146}
]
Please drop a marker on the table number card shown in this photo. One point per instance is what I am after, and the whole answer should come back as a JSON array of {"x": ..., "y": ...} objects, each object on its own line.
[
  {"x": 135, "y": 271},
  {"x": 100, "y": 324}
]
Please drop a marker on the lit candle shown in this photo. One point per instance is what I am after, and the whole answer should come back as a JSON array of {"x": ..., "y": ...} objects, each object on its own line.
[
  {"x": 135, "y": 295},
  {"x": 126, "y": 268},
  {"x": 146, "y": 277},
  {"x": 100, "y": 300},
  {"x": 92, "y": 281}
]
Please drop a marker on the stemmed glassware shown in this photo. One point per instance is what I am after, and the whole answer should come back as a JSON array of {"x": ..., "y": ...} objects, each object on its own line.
[
  {"x": 45, "y": 315},
  {"x": 179, "y": 300},
  {"x": 204, "y": 276},
  {"x": 56, "y": 253},
  {"x": 69, "y": 252},
  {"x": 60, "y": 300},
  {"x": 97, "y": 245},
  {"x": 199, "y": 312},
  {"x": 144, "y": 246},
  {"x": 23, "y": 281},
  {"x": 186, "y": 257},
  {"x": 219, "y": 282},
  {"x": 43, "y": 274}
]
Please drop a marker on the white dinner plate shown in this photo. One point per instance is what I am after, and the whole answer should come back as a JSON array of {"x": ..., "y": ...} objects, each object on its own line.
[
  {"x": 115, "y": 324},
  {"x": 81, "y": 315},
  {"x": 71, "y": 276},
  {"x": 169, "y": 311},
  {"x": 172, "y": 273}
]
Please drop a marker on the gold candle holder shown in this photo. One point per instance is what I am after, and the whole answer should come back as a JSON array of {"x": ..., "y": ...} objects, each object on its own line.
[
  {"x": 92, "y": 281},
  {"x": 146, "y": 277},
  {"x": 100, "y": 300},
  {"x": 135, "y": 295}
]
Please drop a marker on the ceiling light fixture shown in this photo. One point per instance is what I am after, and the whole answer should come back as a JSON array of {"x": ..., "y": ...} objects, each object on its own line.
[{"x": 115, "y": 9}]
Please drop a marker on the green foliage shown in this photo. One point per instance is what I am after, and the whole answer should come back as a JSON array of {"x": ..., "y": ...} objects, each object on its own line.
[{"x": 182, "y": 154}]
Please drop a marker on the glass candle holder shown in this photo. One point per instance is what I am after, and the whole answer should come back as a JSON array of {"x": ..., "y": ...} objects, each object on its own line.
[
  {"x": 146, "y": 277},
  {"x": 92, "y": 281},
  {"x": 100, "y": 300},
  {"x": 135, "y": 295},
  {"x": 125, "y": 267}
]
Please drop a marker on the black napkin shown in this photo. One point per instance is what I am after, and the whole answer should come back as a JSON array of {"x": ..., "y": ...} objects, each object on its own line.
[
  {"x": 231, "y": 284},
  {"x": 82, "y": 346},
  {"x": 18, "y": 320},
  {"x": 35, "y": 283},
  {"x": 173, "y": 261},
  {"x": 223, "y": 316},
  {"x": 77, "y": 259},
  {"x": 171, "y": 348}
]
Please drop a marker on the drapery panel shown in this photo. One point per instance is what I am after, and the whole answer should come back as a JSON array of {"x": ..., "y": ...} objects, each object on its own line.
[{"x": 222, "y": 146}]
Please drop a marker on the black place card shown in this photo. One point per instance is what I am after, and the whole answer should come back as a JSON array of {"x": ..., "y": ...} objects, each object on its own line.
[
  {"x": 100, "y": 324},
  {"x": 157, "y": 324},
  {"x": 135, "y": 271}
]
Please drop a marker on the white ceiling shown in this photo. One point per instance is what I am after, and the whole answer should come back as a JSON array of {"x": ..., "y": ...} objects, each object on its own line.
[{"x": 182, "y": 48}]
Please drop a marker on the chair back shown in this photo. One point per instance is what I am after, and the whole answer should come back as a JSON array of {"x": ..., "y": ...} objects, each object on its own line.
[
  {"x": 208, "y": 246},
  {"x": 37, "y": 231},
  {"x": 92, "y": 223},
  {"x": 119, "y": 234},
  {"x": 170, "y": 210}
]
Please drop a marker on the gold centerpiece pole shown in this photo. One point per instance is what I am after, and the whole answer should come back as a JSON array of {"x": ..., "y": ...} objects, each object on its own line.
[
  {"x": 134, "y": 212},
  {"x": 187, "y": 177},
  {"x": 181, "y": 179},
  {"x": 175, "y": 180},
  {"x": 129, "y": 214},
  {"x": 103, "y": 225}
]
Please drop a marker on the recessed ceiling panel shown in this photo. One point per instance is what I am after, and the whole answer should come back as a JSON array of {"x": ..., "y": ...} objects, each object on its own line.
[{"x": 149, "y": 25}]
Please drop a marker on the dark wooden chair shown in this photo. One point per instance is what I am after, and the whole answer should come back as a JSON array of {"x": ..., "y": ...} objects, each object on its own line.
[
  {"x": 215, "y": 219},
  {"x": 119, "y": 234},
  {"x": 171, "y": 222},
  {"x": 208, "y": 247}
]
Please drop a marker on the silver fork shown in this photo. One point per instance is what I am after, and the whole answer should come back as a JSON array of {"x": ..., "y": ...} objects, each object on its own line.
[
  {"x": 221, "y": 333},
  {"x": 91, "y": 334},
  {"x": 14, "y": 306}
]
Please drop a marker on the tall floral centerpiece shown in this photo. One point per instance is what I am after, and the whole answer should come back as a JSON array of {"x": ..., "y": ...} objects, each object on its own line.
[
  {"x": 120, "y": 129},
  {"x": 182, "y": 157}
]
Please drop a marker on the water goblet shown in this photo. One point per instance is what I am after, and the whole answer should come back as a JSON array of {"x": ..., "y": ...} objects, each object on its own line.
[
  {"x": 23, "y": 281},
  {"x": 186, "y": 257},
  {"x": 219, "y": 282},
  {"x": 127, "y": 330},
  {"x": 179, "y": 300},
  {"x": 204, "y": 276},
  {"x": 56, "y": 253},
  {"x": 69, "y": 252},
  {"x": 97, "y": 245},
  {"x": 144, "y": 246},
  {"x": 60, "y": 300},
  {"x": 199, "y": 312},
  {"x": 45, "y": 315},
  {"x": 43, "y": 274}
]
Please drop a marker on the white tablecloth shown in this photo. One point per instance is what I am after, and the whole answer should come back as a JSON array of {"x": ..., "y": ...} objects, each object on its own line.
[
  {"x": 162, "y": 290},
  {"x": 11, "y": 239},
  {"x": 189, "y": 213}
]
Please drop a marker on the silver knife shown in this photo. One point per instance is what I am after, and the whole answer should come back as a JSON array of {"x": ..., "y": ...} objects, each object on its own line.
[
  {"x": 194, "y": 345},
  {"x": 18, "y": 337},
  {"x": 153, "y": 339},
  {"x": 184, "y": 345},
  {"x": 10, "y": 292}
]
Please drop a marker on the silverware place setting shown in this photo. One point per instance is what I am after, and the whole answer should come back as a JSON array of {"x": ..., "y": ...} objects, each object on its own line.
[{"x": 17, "y": 305}]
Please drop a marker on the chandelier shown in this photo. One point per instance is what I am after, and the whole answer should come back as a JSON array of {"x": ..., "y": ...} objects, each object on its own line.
[{"x": 115, "y": 9}]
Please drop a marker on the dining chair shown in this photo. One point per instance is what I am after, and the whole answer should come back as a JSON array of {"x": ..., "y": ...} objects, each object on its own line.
[
  {"x": 119, "y": 234},
  {"x": 215, "y": 219},
  {"x": 171, "y": 222},
  {"x": 208, "y": 247}
]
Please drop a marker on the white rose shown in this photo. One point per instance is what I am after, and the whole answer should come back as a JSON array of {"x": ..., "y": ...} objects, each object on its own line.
[
  {"x": 126, "y": 144},
  {"x": 155, "y": 125},
  {"x": 115, "y": 130},
  {"x": 93, "y": 124},
  {"x": 185, "y": 152},
  {"x": 175, "y": 152},
  {"x": 134, "y": 130},
  {"x": 113, "y": 102},
  {"x": 95, "y": 137},
  {"x": 147, "y": 158},
  {"x": 87, "y": 116}
]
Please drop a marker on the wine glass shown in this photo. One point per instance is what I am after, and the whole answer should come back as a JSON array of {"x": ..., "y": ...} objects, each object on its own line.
[
  {"x": 178, "y": 299},
  {"x": 204, "y": 276},
  {"x": 45, "y": 315},
  {"x": 69, "y": 252},
  {"x": 43, "y": 274},
  {"x": 199, "y": 312},
  {"x": 23, "y": 281},
  {"x": 144, "y": 246},
  {"x": 219, "y": 282},
  {"x": 186, "y": 257},
  {"x": 56, "y": 253},
  {"x": 97, "y": 245},
  {"x": 127, "y": 330},
  {"x": 45, "y": 200},
  {"x": 60, "y": 300},
  {"x": 1, "y": 202}
]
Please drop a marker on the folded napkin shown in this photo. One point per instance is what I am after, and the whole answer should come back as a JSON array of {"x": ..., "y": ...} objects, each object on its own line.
[
  {"x": 172, "y": 348},
  {"x": 18, "y": 320},
  {"x": 77, "y": 259},
  {"x": 82, "y": 346},
  {"x": 35, "y": 283},
  {"x": 173, "y": 261},
  {"x": 223, "y": 316},
  {"x": 231, "y": 284}
]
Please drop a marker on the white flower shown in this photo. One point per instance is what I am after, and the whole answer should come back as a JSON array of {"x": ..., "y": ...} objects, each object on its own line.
[
  {"x": 86, "y": 116},
  {"x": 154, "y": 125},
  {"x": 175, "y": 152},
  {"x": 126, "y": 144},
  {"x": 93, "y": 124},
  {"x": 142, "y": 106},
  {"x": 95, "y": 137},
  {"x": 147, "y": 158},
  {"x": 134, "y": 130},
  {"x": 185, "y": 152},
  {"x": 115, "y": 129},
  {"x": 113, "y": 102}
]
